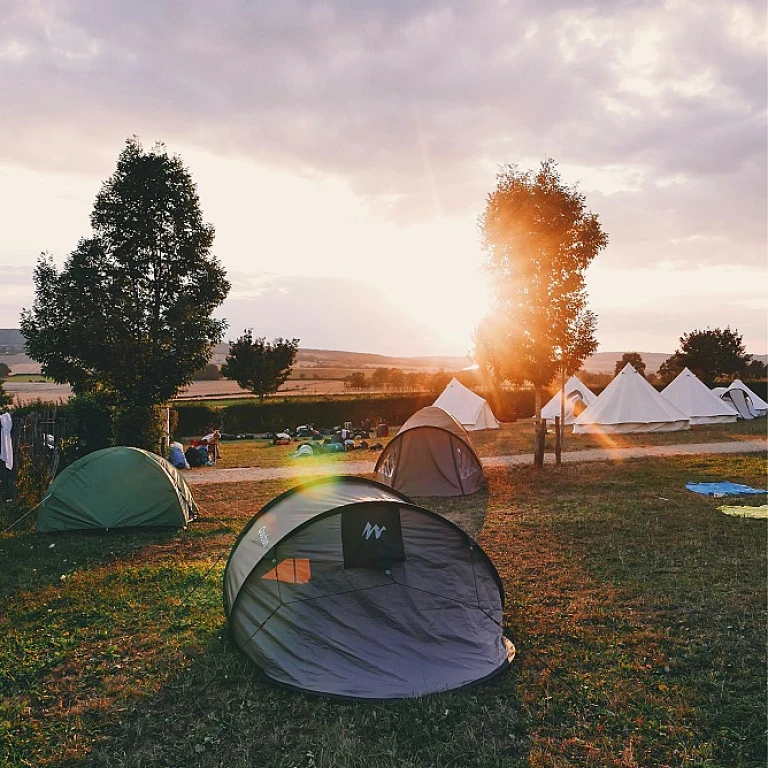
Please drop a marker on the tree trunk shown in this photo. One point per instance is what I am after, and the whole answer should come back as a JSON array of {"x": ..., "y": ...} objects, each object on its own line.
[{"x": 537, "y": 392}]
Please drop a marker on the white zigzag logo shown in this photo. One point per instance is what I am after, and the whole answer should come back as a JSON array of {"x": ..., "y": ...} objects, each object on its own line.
[{"x": 373, "y": 529}]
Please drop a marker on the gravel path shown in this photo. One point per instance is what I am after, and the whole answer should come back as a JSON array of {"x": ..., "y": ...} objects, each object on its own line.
[{"x": 250, "y": 474}]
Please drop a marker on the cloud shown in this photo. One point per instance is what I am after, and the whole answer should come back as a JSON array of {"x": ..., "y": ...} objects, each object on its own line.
[
  {"x": 404, "y": 99},
  {"x": 413, "y": 106},
  {"x": 314, "y": 310},
  {"x": 16, "y": 291}
]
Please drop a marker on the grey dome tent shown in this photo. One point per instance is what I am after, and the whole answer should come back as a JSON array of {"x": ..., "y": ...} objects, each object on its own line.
[
  {"x": 431, "y": 455},
  {"x": 117, "y": 488},
  {"x": 343, "y": 587}
]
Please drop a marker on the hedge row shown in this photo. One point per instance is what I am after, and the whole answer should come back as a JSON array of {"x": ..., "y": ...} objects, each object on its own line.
[{"x": 271, "y": 416}]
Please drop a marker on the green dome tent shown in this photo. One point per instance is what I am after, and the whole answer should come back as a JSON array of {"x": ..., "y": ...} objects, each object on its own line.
[{"x": 117, "y": 488}]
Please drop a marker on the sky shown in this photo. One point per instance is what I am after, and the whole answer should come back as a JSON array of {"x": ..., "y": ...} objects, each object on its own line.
[{"x": 345, "y": 150}]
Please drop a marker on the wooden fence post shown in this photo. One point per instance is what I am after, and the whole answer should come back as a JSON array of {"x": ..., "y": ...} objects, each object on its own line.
[
  {"x": 541, "y": 436},
  {"x": 558, "y": 442}
]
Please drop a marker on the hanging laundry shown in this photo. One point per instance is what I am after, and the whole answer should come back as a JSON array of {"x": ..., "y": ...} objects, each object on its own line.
[{"x": 6, "y": 445}]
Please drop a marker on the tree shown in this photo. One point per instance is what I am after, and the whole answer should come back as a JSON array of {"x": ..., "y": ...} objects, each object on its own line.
[
  {"x": 630, "y": 357},
  {"x": 5, "y": 371},
  {"x": 438, "y": 381},
  {"x": 130, "y": 312},
  {"x": 396, "y": 378},
  {"x": 257, "y": 365},
  {"x": 670, "y": 368},
  {"x": 754, "y": 371},
  {"x": 379, "y": 377},
  {"x": 710, "y": 354},
  {"x": 539, "y": 239},
  {"x": 356, "y": 380}
]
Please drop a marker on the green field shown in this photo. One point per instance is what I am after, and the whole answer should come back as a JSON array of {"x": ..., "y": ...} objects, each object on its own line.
[
  {"x": 638, "y": 610},
  {"x": 27, "y": 378},
  {"x": 512, "y": 439}
]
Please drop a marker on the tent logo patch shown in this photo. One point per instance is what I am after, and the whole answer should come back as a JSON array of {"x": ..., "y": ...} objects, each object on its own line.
[
  {"x": 374, "y": 530},
  {"x": 371, "y": 536}
]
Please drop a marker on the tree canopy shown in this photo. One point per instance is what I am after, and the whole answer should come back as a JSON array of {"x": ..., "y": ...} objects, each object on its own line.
[
  {"x": 258, "y": 365},
  {"x": 630, "y": 357},
  {"x": 539, "y": 239},
  {"x": 711, "y": 354},
  {"x": 130, "y": 312}
]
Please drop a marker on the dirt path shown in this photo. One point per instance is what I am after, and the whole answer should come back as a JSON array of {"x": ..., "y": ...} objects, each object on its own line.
[{"x": 250, "y": 474}]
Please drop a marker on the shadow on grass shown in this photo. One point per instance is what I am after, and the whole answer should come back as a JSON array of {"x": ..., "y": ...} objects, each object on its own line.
[
  {"x": 113, "y": 666},
  {"x": 219, "y": 713},
  {"x": 216, "y": 711},
  {"x": 646, "y": 599}
]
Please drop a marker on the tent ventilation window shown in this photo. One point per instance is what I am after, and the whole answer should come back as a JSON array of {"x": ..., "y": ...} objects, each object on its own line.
[{"x": 292, "y": 570}]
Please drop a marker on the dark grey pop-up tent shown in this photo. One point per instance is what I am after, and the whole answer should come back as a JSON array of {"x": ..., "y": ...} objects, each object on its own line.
[
  {"x": 431, "y": 455},
  {"x": 343, "y": 587}
]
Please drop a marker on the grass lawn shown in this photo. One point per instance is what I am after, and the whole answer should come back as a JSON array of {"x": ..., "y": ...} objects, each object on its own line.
[
  {"x": 512, "y": 439},
  {"x": 27, "y": 378},
  {"x": 637, "y": 608}
]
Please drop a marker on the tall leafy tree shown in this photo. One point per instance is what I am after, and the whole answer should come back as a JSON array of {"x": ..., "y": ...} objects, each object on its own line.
[
  {"x": 711, "y": 354},
  {"x": 539, "y": 239},
  {"x": 635, "y": 358},
  {"x": 258, "y": 365},
  {"x": 130, "y": 312}
]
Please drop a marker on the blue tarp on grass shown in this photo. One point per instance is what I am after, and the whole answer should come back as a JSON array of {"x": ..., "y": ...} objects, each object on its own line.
[{"x": 722, "y": 489}]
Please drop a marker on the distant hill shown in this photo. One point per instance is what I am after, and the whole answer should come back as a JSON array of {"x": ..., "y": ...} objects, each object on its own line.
[
  {"x": 11, "y": 341},
  {"x": 12, "y": 353},
  {"x": 331, "y": 358}
]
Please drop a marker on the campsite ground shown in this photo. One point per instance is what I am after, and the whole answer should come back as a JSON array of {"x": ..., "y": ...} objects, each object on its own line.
[
  {"x": 637, "y": 608},
  {"x": 512, "y": 439}
]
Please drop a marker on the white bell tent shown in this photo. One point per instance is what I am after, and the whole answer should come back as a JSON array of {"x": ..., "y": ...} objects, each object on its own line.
[
  {"x": 692, "y": 396},
  {"x": 759, "y": 405},
  {"x": 577, "y": 397},
  {"x": 469, "y": 409},
  {"x": 630, "y": 404}
]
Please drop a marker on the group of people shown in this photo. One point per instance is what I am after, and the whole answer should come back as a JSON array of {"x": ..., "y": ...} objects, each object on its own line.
[{"x": 202, "y": 452}]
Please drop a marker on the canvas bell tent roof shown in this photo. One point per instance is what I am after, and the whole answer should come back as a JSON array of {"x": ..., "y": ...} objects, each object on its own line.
[
  {"x": 691, "y": 396},
  {"x": 577, "y": 397},
  {"x": 468, "y": 408},
  {"x": 758, "y": 404},
  {"x": 737, "y": 399},
  {"x": 117, "y": 488},
  {"x": 343, "y": 587},
  {"x": 630, "y": 404},
  {"x": 431, "y": 455}
]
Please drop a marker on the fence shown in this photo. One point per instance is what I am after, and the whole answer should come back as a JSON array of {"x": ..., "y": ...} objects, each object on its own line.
[{"x": 37, "y": 439}]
